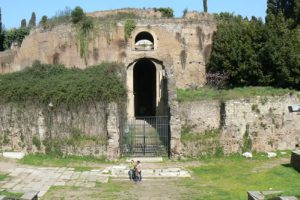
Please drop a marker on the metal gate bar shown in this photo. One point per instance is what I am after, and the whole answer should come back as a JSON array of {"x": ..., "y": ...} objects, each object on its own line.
[{"x": 145, "y": 136}]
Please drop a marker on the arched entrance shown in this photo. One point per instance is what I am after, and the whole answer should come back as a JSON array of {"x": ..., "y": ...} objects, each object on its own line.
[
  {"x": 145, "y": 131},
  {"x": 144, "y": 81}
]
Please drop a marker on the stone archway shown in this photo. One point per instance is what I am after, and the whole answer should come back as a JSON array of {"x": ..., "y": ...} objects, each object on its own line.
[{"x": 147, "y": 88}]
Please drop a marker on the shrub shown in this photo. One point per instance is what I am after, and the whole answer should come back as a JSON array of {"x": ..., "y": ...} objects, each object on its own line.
[
  {"x": 37, "y": 142},
  {"x": 166, "y": 12},
  {"x": 44, "y": 22},
  {"x": 14, "y": 35},
  {"x": 59, "y": 85},
  {"x": 129, "y": 27},
  {"x": 77, "y": 15}
]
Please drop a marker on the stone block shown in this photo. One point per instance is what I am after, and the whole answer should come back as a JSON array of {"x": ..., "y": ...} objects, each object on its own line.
[
  {"x": 30, "y": 195},
  {"x": 295, "y": 160},
  {"x": 255, "y": 195},
  {"x": 14, "y": 155},
  {"x": 288, "y": 198},
  {"x": 262, "y": 195}
]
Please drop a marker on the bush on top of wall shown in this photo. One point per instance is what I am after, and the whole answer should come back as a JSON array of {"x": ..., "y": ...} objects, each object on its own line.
[{"x": 58, "y": 85}]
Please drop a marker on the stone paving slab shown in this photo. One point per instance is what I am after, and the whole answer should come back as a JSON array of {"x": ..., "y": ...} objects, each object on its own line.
[{"x": 28, "y": 179}]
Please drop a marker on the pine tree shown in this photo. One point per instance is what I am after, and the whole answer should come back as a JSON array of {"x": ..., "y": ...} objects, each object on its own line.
[
  {"x": 1, "y": 33},
  {"x": 0, "y": 21},
  {"x": 44, "y": 22},
  {"x": 32, "y": 21},
  {"x": 205, "y": 6},
  {"x": 23, "y": 23}
]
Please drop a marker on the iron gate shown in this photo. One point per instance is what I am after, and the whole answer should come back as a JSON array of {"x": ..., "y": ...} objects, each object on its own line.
[{"x": 145, "y": 136}]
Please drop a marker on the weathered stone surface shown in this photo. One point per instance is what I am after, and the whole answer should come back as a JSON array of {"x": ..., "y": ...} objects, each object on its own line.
[
  {"x": 267, "y": 121},
  {"x": 113, "y": 130},
  {"x": 19, "y": 124},
  {"x": 295, "y": 160},
  {"x": 200, "y": 115}
]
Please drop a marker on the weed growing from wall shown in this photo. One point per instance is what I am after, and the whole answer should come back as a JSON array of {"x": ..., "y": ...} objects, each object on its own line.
[
  {"x": 247, "y": 142},
  {"x": 129, "y": 27},
  {"x": 37, "y": 142}
]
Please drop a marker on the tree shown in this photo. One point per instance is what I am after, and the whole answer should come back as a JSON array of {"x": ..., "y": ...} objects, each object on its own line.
[
  {"x": 281, "y": 53},
  {"x": 32, "y": 21},
  {"x": 77, "y": 15},
  {"x": 0, "y": 21},
  {"x": 44, "y": 22},
  {"x": 205, "y": 6},
  {"x": 235, "y": 50},
  {"x": 1, "y": 33},
  {"x": 289, "y": 8},
  {"x": 23, "y": 23}
]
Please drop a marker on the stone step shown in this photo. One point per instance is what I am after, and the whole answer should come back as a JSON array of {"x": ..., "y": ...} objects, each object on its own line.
[{"x": 146, "y": 159}]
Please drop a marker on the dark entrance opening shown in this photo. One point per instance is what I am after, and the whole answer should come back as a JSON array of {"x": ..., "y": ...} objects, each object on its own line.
[
  {"x": 144, "y": 81},
  {"x": 144, "y": 36}
]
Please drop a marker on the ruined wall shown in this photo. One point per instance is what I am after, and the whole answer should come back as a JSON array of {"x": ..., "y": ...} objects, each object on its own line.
[
  {"x": 82, "y": 129},
  {"x": 181, "y": 44},
  {"x": 200, "y": 115},
  {"x": 265, "y": 121},
  {"x": 144, "y": 13}
]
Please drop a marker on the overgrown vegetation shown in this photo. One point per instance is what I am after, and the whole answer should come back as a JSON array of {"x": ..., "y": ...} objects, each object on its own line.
[
  {"x": 207, "y": 93},
  {"x": 14, "y": 36},
  {"x": 61, "y": 17},
  {"x": 37, "y": 142},
  {"x": 166, "y": 12},
  {"x": 59, "y": 85},
  {"x": 254, "y": 53},
  {"x": 129, "y": 27}
]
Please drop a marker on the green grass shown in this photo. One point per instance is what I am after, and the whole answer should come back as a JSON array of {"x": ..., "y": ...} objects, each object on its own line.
[
  {"x": 79, "y": 163},
  {"x": 206, "y": 93},
  {"x": 110, "y": 190},
  {"x": 11, "y": 194},
  {"x": 231, "y": 177},
  {"x": 3, "y": 176}
]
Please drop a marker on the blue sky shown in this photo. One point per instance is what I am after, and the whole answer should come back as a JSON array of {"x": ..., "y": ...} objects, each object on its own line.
[{"x": 13, "y": 11}]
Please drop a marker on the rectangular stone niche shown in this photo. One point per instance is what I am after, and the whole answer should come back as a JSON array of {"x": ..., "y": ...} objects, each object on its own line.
[{"x": 295, "y": 160}]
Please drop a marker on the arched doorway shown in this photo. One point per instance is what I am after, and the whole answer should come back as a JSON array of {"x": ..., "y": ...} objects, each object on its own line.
[
  {"x": 144, "y": 41},
  {"x": 144, "y": 87}
]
